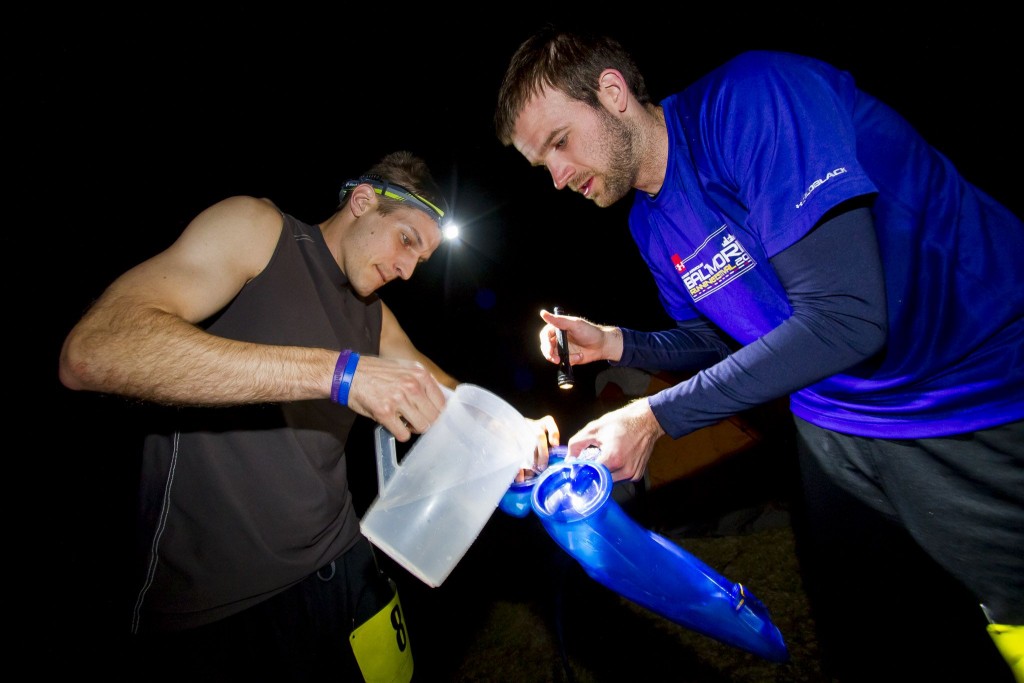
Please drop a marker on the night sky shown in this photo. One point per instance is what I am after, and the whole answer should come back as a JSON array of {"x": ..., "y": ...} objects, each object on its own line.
[{"x": 127, "y": 124}]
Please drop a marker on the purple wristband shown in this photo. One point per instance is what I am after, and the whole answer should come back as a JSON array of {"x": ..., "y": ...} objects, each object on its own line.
[
  {"x": 339, "y": 370},
  {"x": 346, "y": 378}
]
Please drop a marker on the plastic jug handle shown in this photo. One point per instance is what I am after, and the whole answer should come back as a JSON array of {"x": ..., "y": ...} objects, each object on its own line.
[{"x": 387, "y": 455}]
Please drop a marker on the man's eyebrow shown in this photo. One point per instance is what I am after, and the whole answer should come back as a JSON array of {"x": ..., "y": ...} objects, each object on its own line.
[
  {"x": 419, "y": 243},
  {"x": 557, "y": 132},
  {"x": 552, "y": 136},
  {"x": 548, "y": 141},
  {"x": 417, "y": 235}
]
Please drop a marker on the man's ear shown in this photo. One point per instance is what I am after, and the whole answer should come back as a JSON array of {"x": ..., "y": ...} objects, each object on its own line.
[
  {"x": 612, "y": 91},
  {"x": 362, "y": 199}
]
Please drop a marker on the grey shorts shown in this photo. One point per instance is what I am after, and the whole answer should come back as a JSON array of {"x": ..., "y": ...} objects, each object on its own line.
[{"x": 960, "y": 497}]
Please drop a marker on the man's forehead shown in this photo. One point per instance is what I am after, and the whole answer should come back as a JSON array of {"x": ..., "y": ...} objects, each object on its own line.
[{"x": 542, "y": 120}]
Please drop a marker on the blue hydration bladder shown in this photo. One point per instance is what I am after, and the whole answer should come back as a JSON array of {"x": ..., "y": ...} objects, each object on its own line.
[{"x": 573, "y": 500}]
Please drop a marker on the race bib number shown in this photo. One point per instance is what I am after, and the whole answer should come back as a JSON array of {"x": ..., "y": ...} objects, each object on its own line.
[{"x": 381, "y": 646}]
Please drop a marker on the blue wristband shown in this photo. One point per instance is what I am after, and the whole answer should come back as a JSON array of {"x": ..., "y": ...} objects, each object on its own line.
[
  {"x": 339, "y": 370},
  {"x": 346, "y": 378}
]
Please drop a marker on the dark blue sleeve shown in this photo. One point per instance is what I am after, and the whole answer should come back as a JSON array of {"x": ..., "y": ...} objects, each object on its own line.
[
  {"x": 833, "y": 278},
  {"x": 692, "y": 345}
]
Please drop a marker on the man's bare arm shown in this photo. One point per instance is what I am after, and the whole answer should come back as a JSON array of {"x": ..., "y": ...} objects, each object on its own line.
[{"x": 140, "y": 338}]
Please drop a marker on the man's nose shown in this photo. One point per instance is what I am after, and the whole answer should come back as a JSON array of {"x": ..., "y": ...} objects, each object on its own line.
[
  {"x": 406, "y": 266},
  {"x": 561, "y": 174}
]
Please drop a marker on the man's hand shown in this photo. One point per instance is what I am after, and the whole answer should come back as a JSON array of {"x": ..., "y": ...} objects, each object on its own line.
[
  {"x": 547, "y": 435},
  {"x": 400, "y": 394},
  {"x": 626, "y": 438},
  {"x": 587, "y": 342}
]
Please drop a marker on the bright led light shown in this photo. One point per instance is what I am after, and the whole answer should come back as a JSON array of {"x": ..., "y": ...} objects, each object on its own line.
[{"x": 451, "y": 231}]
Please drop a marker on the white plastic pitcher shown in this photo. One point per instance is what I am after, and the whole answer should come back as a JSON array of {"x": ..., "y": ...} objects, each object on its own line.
[{"x": 433, "y": 505}]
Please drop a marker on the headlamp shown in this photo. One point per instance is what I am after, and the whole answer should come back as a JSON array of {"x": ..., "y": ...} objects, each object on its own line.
[{"x": 394, "y": 191}]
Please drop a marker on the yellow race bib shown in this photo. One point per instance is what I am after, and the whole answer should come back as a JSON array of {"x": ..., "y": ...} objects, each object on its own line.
[{"x": 381, "y": 646}]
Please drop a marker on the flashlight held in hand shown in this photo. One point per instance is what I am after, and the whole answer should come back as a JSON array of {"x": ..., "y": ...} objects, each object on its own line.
[{"x": 565, "y": 380}]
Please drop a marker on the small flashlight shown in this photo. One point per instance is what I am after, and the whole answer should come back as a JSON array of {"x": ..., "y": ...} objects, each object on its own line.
[{"x": 565, "y": 380}]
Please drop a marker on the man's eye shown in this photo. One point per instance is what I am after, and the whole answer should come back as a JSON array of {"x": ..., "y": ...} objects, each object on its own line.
[
  {"x": 562, "y": 142},
  {"x": 405, "y": 240}
]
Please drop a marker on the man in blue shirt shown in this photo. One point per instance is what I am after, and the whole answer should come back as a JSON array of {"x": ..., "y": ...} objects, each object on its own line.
[{"x": 860, "y": 274}]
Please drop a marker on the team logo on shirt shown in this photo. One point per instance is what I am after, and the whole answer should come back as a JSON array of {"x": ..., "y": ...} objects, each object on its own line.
[
  {"x": 714, "y": 264},
  {"x": 819, "y": 182}
]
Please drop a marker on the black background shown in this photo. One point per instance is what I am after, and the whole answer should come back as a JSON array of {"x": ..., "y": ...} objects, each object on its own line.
[
  {"x": 136, "y": 121},
  {"x": 122, "y": 125}
]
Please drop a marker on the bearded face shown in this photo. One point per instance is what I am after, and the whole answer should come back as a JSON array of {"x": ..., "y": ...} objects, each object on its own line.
[{"x": 615, "y": 149}]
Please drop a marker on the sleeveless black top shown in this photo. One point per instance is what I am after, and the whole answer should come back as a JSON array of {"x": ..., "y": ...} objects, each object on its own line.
[{"x": 240, "y": 503}]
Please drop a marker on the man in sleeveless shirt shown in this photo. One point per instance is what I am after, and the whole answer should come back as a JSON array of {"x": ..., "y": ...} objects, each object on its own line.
[{"x": 258, "y": 340}]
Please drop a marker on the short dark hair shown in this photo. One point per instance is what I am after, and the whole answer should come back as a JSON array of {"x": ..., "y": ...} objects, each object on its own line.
[
  {"x": 564, "y": 60},
  {"x": 412, "y": 173}
]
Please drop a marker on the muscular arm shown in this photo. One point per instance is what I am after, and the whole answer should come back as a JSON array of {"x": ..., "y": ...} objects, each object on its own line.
[
  {"x": 140, "y": 338},
  {"x": 834, "y": 280}
]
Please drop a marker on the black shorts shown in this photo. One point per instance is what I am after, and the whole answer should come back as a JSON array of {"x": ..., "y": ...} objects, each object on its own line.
[{"x": 300, "y": 634}]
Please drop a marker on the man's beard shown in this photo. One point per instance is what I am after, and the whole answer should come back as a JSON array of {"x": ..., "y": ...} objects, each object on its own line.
[{"x": 618, "y": 147}]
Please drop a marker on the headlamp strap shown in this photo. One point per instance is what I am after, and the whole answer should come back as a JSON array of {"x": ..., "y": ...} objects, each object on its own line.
[{"x": 384, "y": 188}]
